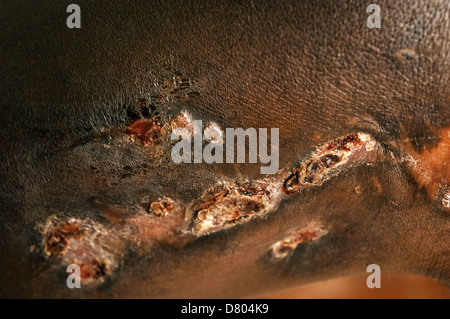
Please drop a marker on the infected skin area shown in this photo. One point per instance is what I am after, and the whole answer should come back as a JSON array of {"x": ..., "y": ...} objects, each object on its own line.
[
  {"x": 156, "y": 129},
  {"x": 163, "y": 207},
  {"x": 148, "y": 131},
  {"x": 57, "y": 238},
  {"x": 99, "y": 249},
  {"x": 285, "y": 247},
  {"x": 149, "y": 224},
  {"x": 229, "y": 204},
  {"x": 159, "y": 223},
  {"x": 93, "y": 269},
  {"x": 326, "y": 161},
  {"x": 430, "y": 167},
  {"x": 183, "y": 121},
  {"x": 83, "y": 242}
]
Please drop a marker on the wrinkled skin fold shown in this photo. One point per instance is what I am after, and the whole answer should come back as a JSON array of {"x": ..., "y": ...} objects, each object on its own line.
[{"x": 86, "y": 171}]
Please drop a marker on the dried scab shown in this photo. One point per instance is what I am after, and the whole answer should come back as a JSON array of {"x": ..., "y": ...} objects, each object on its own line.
[
  {"x": 91, "y": 245},
  {"x": 57, "y": 237},
  {"x": 163, "y": 207},
  {"x": 284, "y": 248},
  {"x": 93, "y": 269},
  {"x": 325, "y": 161},
  {"x": 227, "y": 204},
  {"x": 149, "y": 132},
  {"x": 156, "y": 130},
  {"x": 291, "y": 183}
]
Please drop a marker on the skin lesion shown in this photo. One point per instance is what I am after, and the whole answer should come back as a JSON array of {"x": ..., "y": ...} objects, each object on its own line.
[
  {"x": 57, "y": 238},
  {"x": 225, "y": 205},
  {"x": 146, "y": 130},
  {"x": 326, "y": 160},
  {"x": 94, "y": 247},
  {"x": 92, "y": 269},
  {"x": 169, "y": 222},
  {"x": 283, "y": 248},
  {"x": 163, "y": 207},
  {"x": 430, "y": 167},
  {"x": 228, "y": 204}
]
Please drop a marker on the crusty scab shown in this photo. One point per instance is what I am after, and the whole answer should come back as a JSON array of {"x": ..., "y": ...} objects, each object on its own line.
[
  {"x": 324, "y": 161},
  {"x": 83, "y": 242},
  {"x": 284, "y": 248},
  {"x": 57, "y": 238},
  {"x": 230, "y": 203},
  {"x": 156, "y": 129},
  {"x": 93, "y": 269},
  {"x": 148, "y": 131},
  {"x": 162, "y": 207}
]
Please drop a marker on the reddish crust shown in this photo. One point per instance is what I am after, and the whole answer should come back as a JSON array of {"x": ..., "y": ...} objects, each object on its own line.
[
  {"x": 147, "y": 131},
  {"x": 57, "y": 238},
  {"x": 93, "y": 269}
]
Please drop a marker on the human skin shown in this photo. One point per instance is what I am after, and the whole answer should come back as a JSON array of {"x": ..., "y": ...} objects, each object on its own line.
[{"x": 313, "y": 69}]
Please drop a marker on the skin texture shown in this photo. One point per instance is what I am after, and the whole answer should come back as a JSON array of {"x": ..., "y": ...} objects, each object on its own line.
[{"x": 310, "y": 68}]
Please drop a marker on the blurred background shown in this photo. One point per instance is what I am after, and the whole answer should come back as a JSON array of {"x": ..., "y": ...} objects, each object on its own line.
[{"x": 392, "y": 286}]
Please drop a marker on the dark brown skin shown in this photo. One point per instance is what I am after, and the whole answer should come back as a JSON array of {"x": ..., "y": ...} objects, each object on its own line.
[{"x": 311, "y": 68}]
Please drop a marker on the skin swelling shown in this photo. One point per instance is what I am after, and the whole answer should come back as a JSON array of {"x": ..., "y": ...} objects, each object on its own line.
[{"x": 311, "y": 68}]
